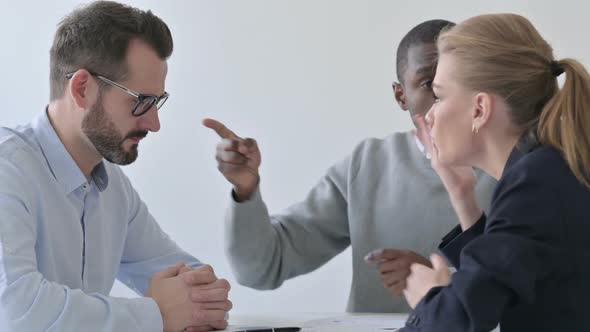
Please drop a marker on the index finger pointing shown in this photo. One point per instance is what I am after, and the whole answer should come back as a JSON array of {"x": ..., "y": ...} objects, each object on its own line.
[{"x": 220, "y": 129}]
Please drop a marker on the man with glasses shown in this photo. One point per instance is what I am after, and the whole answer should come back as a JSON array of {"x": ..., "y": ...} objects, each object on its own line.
[
  {"x": 144, "y": 102},
  {"x": 70, "y": 221}
]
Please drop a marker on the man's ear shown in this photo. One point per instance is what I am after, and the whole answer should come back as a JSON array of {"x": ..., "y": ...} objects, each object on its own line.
[
  {"x": 482, "y": 111},
  {"x": 400, "y": 95},
  {"x": 82, "y": 89}
]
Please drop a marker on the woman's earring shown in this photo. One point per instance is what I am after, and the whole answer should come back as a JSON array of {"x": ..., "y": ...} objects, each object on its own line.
[{"x": 474, "y": 129}]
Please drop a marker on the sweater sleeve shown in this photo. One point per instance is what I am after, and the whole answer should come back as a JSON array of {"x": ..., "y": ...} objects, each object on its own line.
[{"x": 265, "y": 250}]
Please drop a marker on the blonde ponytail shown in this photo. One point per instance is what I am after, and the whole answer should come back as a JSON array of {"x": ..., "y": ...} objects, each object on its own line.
[{"x": 564, "y": 122}]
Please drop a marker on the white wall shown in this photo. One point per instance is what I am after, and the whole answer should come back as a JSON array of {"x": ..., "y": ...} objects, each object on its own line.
[{"x": 308, "y": 79}]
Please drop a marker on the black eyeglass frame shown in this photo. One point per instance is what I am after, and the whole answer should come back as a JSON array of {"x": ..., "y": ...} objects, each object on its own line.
[{"x": 148, "y": 100}]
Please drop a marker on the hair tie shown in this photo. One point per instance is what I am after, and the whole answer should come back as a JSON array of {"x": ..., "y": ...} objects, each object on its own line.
[{"x": 556, "y": 68}]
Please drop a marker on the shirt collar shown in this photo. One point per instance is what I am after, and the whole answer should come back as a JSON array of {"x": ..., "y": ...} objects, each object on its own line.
[
  {"x": 421, "y": 147},
  {"x": 62, "y": 165}
]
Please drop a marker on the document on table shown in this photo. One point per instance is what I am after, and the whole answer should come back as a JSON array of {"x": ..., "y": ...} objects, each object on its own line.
[{"x": 368, "y": 323}]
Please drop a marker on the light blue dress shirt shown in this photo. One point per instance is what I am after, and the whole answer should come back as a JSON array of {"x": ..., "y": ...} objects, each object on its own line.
[{"x": 64, "y": 238}]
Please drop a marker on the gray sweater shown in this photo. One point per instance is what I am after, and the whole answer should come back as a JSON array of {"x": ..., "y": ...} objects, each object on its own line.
[{"x": 384, "y": 195}]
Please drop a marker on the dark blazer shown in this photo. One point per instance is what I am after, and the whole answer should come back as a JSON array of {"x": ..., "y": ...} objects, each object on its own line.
[{"x": 527, "y": 266}]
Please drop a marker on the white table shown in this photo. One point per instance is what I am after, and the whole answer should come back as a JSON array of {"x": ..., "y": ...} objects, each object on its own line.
[{"x": 321, "y": 322}]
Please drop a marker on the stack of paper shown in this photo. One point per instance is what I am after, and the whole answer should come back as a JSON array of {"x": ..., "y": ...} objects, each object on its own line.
[{"x": 365, "y": 323}]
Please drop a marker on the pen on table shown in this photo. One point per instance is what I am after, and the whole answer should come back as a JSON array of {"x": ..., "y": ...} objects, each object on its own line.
[{"x": 277, "y": 329}]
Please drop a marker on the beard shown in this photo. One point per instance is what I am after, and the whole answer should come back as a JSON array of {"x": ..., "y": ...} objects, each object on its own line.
[{"x": 100, "y": 129}]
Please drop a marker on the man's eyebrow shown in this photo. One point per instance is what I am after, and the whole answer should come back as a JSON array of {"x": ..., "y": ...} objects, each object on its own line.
[{"x": 426, "y": 69}]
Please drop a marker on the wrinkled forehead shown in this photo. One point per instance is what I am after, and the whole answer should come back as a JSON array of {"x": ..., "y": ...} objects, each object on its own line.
[
  {"x": 146, "y": 71},
  {"x": 422, "y": 57}
]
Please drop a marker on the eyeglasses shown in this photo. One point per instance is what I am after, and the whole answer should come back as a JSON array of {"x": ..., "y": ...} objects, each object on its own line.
[{"x": 144, "y": 101}]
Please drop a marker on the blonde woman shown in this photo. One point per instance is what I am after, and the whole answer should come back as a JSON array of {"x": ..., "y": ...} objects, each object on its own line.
[{"x": 526, "y": 266}]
